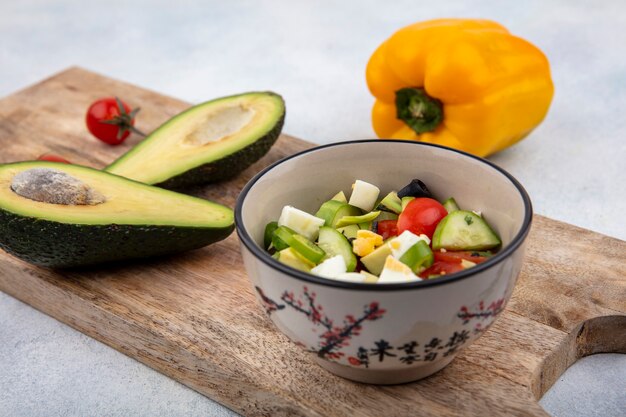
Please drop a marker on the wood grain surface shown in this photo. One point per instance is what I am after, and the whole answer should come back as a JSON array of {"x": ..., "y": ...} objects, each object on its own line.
[{"x": 194, "y": 318}]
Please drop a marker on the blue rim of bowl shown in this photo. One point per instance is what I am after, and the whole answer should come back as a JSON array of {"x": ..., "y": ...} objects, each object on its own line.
[{"x": 267, "y": 259}]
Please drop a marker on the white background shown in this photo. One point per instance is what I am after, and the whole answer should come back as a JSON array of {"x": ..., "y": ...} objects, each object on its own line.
[{"x": 314, "y": 54}]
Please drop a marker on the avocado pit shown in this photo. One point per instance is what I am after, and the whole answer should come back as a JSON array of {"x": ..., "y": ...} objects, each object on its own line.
[{"x": 52, "y": 186}]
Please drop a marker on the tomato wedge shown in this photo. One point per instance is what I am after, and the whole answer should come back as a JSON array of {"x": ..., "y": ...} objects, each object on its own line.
[
  {"x": 458, "y": 256},
  {"x": 441, "y": 267},
  {"x": 387, "y": 228}
]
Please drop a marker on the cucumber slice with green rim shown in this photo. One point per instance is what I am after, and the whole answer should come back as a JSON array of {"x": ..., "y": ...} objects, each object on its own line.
[
  {"x": 349, "y": 231},
  {"x": 269, "y": 233},
  {"x": 418, "y": 256},
  {"x": 309, "y": 250},
  {"x": 406, "y": 201},
  {"x": 464, "y": 230},
  {"x": 340, "y": 196},
  {"x": 281, "y": 237},
  {"x": 391, "y": 202},
  {"x": 365, "y": 218},
  {"x": 332, "y": 210},
  {"x": 290, "y": 257},
  {"x": 450, "y": 205},
  {"x": 334, "y": 243}
]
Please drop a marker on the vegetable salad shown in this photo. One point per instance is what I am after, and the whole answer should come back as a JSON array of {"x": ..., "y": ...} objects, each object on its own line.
[{"x": 402, "y": 237}]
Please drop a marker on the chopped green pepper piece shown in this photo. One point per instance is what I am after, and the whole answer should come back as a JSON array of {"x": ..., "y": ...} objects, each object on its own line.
[
  {"x": 365, "y": 218},
  {"x": 281, "y": 237},
  {"x": 269, "y": 233},
  {"x": 418, "y": 256},
  {"x": 307, "y": 249}
]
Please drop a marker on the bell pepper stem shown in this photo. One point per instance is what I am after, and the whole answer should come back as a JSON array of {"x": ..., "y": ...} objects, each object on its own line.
[{"x": 418, "y": 110}]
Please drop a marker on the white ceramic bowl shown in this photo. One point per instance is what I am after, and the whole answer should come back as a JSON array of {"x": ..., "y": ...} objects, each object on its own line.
[{"x": 383, "y": 333}]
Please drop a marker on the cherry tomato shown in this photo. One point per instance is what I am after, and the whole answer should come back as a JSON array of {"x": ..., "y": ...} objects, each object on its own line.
[
  {"x": 111, "y": 120},
  {"x": 457, "y": 257},
  {"x": 441, "y": 267},
  {"x": 421, "y": 216},
  {"x": 52, "y": 158},
  {"x": 387, "y": 228}
]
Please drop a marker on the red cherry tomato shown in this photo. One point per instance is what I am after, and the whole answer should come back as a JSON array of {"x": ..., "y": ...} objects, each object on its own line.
[
  {"x": 457, "y": 257},
  {"x": 111, "y": 120},
  {"x": 441, "y": 267},
  {"x": 421, "y": 216},
  {"x": 52, "y": 158},
  {"x": 387, "y": 228}
]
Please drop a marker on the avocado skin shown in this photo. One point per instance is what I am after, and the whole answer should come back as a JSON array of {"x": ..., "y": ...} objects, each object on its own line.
[
  {"x": 61, "y": 245},
  {"x": 229, "y": 166}
]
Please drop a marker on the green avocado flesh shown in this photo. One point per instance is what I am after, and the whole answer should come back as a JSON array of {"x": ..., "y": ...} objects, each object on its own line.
[
  {"x": 210, "y": 142},
  {"x": 109, "y": 219}
]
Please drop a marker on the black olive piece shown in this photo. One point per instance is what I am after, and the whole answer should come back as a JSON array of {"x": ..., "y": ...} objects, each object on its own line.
[{"x": 415, "y": 189}]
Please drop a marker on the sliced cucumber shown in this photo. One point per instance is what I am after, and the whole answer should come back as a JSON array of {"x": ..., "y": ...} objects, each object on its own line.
[
  {"x": 334, "y": 243},
  {"x": 406, "y": 201},
  {"x": 450, "y": 205},
  {"x": 333, "y": 210},
  {"x": 365, "y": 218},
  {"x": 391, "y": 202},
  {"x": 290, "y": 257},
  {"x": 340, "y": 196},
  {"x": 281, "y": 237},
  {"x": 464, "y": 230},
  {"x": 269, "y": 233},
  {"x": 349, "y": 231},
  {"x": 418, "y": 256}
]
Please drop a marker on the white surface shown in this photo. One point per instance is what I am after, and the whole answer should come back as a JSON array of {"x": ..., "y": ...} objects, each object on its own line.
[
  {"x": 568, "y": 397},
  {"x": 314, "y": 54}
]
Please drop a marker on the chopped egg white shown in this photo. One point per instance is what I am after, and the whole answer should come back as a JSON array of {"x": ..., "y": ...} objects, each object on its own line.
[
  {"x": 404, "y": 242},
  {"x": 301, "y": 222},
  {"x": 395, "y": 271},
  {"x": 331, "y": 267},
  {"x": 351, "y": 277},
  {"x": 364, "y": 195}
]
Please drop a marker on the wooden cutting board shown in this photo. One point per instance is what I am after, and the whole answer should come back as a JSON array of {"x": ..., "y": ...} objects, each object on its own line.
[{"x": 194, "y": 317}]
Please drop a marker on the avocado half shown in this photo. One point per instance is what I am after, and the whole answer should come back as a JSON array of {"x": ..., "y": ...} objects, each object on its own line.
[
  {"x": 96, "y": 217},
  {"x": 209, "y": 142}
]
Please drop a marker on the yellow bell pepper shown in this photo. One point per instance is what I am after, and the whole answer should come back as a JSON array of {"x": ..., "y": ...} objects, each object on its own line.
[{"x": 464, "y": 83}]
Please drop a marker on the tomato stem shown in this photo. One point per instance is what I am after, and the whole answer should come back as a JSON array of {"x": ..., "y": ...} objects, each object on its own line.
[{"x": 124, "y": 121}]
